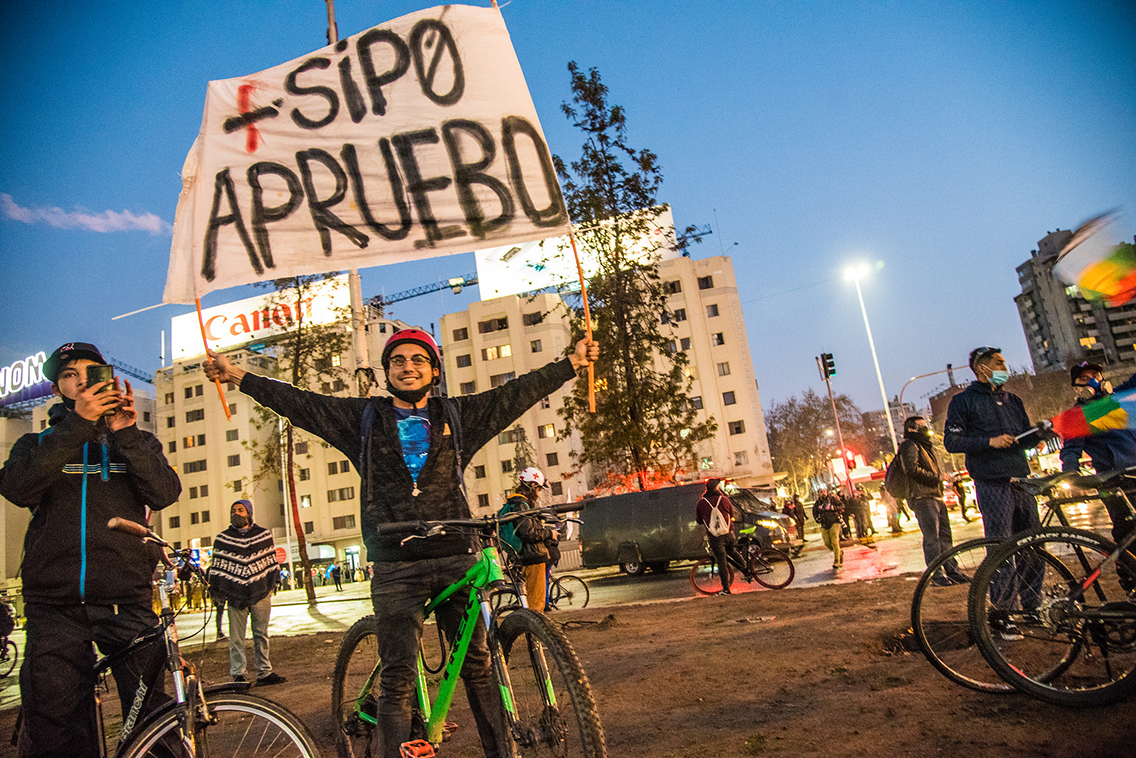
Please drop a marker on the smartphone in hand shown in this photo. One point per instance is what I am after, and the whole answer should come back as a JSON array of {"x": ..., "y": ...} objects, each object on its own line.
[{"x": 101, "y": 373}]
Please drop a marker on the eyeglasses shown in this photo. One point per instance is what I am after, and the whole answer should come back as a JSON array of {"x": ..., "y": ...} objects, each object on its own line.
[
  {"x": 982, "y": 352},
  {"x": 419, "y": 361}
]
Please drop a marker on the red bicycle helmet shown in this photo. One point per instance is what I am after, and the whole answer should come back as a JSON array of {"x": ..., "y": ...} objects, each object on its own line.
[{"x": 416, "y": 337}]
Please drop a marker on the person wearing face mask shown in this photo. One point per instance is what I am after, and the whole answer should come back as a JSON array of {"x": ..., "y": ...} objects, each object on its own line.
[
  {"x": 925, "y": 494},
  {"x": 83, "y": 582},
  {"x": 983, "y": 422},
  {"x": 244, "y": 572},
  {"x": 411, "y": 450},
  {"x": 1112, "y": 450}
]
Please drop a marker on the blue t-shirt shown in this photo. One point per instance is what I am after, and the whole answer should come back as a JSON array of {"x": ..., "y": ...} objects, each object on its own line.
[{"x": 414, "y": 434}]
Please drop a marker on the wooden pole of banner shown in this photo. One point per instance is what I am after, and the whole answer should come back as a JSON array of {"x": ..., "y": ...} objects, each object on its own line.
[
  {"x": 587, "y": 321},
  {"x": 205, "y": 341}
]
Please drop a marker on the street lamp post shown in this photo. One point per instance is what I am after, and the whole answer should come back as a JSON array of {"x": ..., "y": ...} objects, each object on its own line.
[{"x": 854, "y": 273}]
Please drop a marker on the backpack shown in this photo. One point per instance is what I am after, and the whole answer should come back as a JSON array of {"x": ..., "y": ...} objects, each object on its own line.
[
  {"x": 719, "y": 524},
  {"x": 895, "y": 478}
]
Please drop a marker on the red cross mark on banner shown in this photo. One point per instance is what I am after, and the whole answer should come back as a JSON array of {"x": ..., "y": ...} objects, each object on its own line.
[{"x": 250, "y": 116}]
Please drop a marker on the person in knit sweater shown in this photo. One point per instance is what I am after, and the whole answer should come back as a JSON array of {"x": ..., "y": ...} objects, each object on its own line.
[{"x": 244, "y": 572}]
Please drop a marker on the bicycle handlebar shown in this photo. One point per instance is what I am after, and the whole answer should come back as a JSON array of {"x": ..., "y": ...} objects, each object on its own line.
[
  {"x": 431, "y": 527},
  {"x": 1107, "y": 480}
]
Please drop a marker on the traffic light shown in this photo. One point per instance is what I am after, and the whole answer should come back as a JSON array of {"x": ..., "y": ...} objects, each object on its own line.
[{"x": 828, "y": 365}]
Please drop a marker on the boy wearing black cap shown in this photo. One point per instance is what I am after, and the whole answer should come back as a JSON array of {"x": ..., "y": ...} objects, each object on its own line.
[{"x": 82, "y": 582}]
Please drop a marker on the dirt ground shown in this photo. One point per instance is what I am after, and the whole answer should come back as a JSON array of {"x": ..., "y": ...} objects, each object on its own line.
[{"x": 819, "y": 671}]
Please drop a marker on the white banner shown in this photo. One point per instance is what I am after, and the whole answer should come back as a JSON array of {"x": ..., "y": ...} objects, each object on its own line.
[
  {"x": 256, "y": 318},
  {"x": 413, "y": 139}
]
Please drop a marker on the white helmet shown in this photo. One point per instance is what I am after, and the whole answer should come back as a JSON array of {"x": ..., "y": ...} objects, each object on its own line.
[{"x": 533, "y": 477}]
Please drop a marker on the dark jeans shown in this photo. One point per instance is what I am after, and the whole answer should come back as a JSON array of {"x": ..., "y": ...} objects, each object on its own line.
[
  {"x": 399, "y": 591},
  {"x": 1007, "y": 510},
  {"x": 931, "y": 513},
  {"x": 720, "y": 546},
  {"x": 57, "y": 679}
]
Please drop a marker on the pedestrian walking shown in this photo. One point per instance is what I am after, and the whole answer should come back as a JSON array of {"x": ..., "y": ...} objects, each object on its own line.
[
  {"x": 828, "y": 512},
  {"x": 336, "y": 576},
  {"x": 925, "y": 491}
]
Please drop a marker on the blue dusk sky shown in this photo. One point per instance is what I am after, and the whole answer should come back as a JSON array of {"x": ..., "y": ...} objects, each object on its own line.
[{"x": 937, "y": 140}]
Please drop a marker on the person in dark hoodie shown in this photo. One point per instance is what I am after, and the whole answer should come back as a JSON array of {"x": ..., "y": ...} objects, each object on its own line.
[
  {"x": 83, "y": 582},
  {"x": 723, "y": 544},
  {"x": 244, "y": 572},
  {"x": 411, "y": 450},
  {"x": 925, "y": 494}
]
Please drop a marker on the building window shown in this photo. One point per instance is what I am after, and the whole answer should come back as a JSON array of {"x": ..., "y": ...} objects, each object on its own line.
[
  {"x": 173, "y": 446},
  {"x": 705, "y": 282},
  {"x": 309, "y": 527},
  {"x": 305, "y": 474},
  {"x": 197, "y": 415},
  {"x": 535, "y": 347},
  {"x": 478, "y": 472},
  {"x": 193, "y": 441},
  {"x": 465, "y": 361},
  {"x": 333, "y": 468},
  {"x": 305, "y": 501},
  {"x": 232, "y": 409},
  {"x": 468, "y": 388},
  {"x": 175, "y": 522},
  {"x": 728, "y": 398},
  {"x": 740, "y": 458},
  {"x": 461, "y": 334},
  {"x": 344, "y": 466},
  {"x": 238, "y": 485},
  {"x": 492, "y": 325},
  {"x": 712, "y": 310},
  {"x": 193, "y": 467},
  {"x": 234, "y": 460},
  {"x": 684, "y": 344},
  {"x": 336, "y": 360},
  {"x": 672, "y": 287},
  {"x": 507, "y": 437},
  {"x": 206, "y": 541},
  {"x": 169, "y": 398},
  {"x": 546, "y": 431},
  {"x": 737, "y": 427},
  {"x": 553, "y": 459},
  {"x": 672, "y": 347},
  {"x": 532, "y": 319},
  {"x": 506, "y": 467},
  {"x": 204, "y": 515},
  {"x": 545, "y": 403},
  {"x": 177, "y": 545},
  {"x": 556, "y": 488},
  {"x": 718, "y": 339},
  {"x": 301, "y": 448},
  {"x": 170, "y": 422},
  {"x": 696, "y": 402},
  {"x": 232, "y": 435},
  {"x": 343, "y": 493},
  {"x": 498, "y": 379},
  {"x": 193, "y": 517},
  {"x": 203, "y": 490},
  {"x": 724, "y": 369},
  {"x": 146, "y": 416},
  {"x": 343, "y": 522},
  {"x": 493, "y": 353},
  {"x": 188, "y": 393},
  {"x": 483, "y": 501},
  {"x": 192, "y": 493},
  {"x": 679, "y": 315}
]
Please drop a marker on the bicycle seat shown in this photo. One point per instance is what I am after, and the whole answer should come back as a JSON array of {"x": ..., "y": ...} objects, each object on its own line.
[{"x": 1040, "y": 485}]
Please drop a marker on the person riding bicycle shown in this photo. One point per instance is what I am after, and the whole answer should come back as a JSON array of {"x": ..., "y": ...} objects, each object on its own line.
[
  {"x": 724, "y": 543},
  {"x": 529, "y": 537},
  {"x": 1111, "y": 450},
  {"x": 410, "y": 451},
  {"x": 83, "y": 582}
]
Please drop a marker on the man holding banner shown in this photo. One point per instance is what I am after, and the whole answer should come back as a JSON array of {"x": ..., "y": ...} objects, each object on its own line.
[{"x": 410, "y": 451}]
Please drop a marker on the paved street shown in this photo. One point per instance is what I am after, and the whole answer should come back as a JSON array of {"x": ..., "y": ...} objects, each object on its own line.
[{"x": 336, "y": 611}]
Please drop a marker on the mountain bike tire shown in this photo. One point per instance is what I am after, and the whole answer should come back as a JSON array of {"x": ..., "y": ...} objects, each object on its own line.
[
  {"x": 568, "y": 592},
  {"x": 1078, "y": 653},
  {"x": 771, "y": 568},
  {"x": 704, "y": 577},
  {"x": 569, "y": 726},
  {"x": 8, "y": 658},
  {"x": 357, "y": 658},
  {"x": 247, "y": 726},
  {"x": 940, "y": 621}
]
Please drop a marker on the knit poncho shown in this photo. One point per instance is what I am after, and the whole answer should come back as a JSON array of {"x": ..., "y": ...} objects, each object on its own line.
[{"x": 244, "y": 568}]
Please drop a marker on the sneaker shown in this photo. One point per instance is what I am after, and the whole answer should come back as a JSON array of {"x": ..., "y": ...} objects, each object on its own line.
[
  {"x": 725, "y": 592},
  {"x": 1005, "y": 629},
  {"x": 272, "y": 678},
  {"x": 941, "y": 581},
  {"x": 221, "y": 637},
  {"x": 239, "y": 678}
]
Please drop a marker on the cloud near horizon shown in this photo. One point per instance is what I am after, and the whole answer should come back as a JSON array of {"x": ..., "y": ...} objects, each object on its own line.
[{"x": 107, "y": 221}]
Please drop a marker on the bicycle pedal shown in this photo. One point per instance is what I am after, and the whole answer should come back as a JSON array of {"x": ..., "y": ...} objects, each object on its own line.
[
  {"x": 416, "y": 749},
  {"x": 448, "y": 730}
]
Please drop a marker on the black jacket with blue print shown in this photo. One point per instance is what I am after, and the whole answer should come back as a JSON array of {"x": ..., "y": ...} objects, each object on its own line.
[{"x": 74, "y": 477}]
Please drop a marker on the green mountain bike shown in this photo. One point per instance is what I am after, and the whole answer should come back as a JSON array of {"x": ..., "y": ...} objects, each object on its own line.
[{"x": 547, "y": 703}]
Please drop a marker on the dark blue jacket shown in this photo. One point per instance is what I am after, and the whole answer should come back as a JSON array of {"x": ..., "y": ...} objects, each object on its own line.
[
  {"x": 1109, "y": 451},
  {"x": 979, "y": 413}
]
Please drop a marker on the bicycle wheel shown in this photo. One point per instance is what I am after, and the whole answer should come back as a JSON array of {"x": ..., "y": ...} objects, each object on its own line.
[
  {"x": 941, "y": 625},
  {"x": 8, "y": 658},
  {"x": 1070, "y": 648},
  {"x": 568, "y": 592},
  {"x": 553, "y": 710},
  {"x": 771, "y": 568},
  {"x": 704, "y": 577},
  {"x": 356, "y": 669},
  {"x": 246, "y": 726}
]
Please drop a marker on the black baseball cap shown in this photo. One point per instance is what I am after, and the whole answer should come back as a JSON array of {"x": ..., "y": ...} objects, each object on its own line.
[
  {"x": 979, "y": 353},
  {"x": 1084, "y": 367},
  {"x": 67, "y": 353}
]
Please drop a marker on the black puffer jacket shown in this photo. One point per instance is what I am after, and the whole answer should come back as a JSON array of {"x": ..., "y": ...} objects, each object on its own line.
[
  {"x": 924, "y": 479},
  {"x": 387, "y": 487},
  {"x": 978, "y": 414},
  {"x": 74, "y": 477}
]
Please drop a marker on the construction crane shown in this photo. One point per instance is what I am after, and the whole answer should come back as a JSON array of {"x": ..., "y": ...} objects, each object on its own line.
[
  {"x": 694, "y": 235},
  {"x": 134, "y": 372},
  {"x": 380, "y": 302}
]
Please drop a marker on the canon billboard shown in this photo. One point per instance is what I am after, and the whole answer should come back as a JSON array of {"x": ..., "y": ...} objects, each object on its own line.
[{"x": 257, "y": 318}]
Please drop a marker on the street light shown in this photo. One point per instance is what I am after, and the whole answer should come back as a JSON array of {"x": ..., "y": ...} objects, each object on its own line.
[{"x": 855, "y": 273}]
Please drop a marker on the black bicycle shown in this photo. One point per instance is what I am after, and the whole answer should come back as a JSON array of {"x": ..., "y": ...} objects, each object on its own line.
[
  {"x": 201, "y": 721},
  {"x": 9, "y": 653},
  {"x": 768, "y": 566}
]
